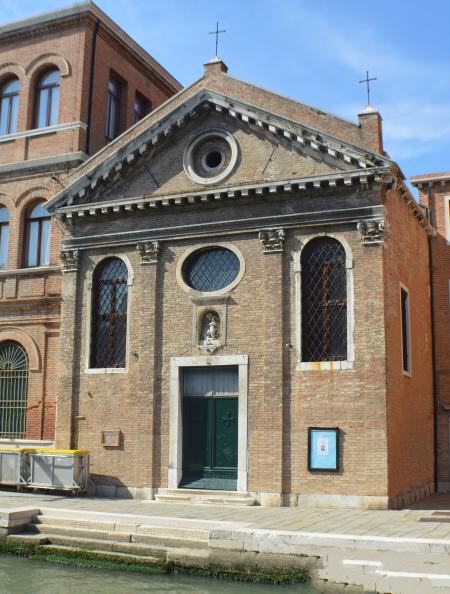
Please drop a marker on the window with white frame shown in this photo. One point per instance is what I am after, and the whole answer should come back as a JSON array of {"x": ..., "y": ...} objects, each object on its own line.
[{"x": 406, "y": 330}]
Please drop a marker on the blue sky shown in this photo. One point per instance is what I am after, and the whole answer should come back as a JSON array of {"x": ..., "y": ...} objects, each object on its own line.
[{"x": 313, "y": 51}]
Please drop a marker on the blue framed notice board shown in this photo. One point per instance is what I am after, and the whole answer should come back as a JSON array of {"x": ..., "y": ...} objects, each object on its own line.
[{"x": 323, "y": 448}]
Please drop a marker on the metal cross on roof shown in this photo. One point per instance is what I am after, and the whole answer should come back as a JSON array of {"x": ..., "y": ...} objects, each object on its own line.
[
  {"x": 367, "y": 80},
  {"x": 217, "y": 33}
]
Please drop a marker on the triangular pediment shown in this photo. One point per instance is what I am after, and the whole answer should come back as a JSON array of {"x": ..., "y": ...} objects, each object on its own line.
[{"x": 273, "y": 150}]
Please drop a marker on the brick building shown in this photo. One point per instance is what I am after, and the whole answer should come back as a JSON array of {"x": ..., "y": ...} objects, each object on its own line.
[
  {"x": 61, "y": 74},
  {"x": 244, "y": 302},
  {"x": 434, "y": 195}
]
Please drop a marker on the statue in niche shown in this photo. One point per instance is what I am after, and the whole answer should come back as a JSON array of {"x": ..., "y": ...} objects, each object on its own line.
[{"x": 210, "y": 332}]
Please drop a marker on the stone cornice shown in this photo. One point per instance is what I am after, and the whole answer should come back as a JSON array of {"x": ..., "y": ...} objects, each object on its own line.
[
  {"x": 278, "y": 127},
  {"x": 346, "y": 216},
  {"x": 363, "y": 177}
]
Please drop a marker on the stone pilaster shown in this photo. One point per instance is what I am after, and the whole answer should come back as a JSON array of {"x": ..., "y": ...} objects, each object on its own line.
[
  {"x": 64, "y": 404},
  {"x": 271, "y": 437},
  {"x": 148, "y": 363}
]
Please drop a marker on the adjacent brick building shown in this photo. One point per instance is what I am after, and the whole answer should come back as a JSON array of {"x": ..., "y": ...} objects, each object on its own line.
[
  {"x": 244, "y": 305},
  {"x": 434, "y": 196},
  {"x": 54, "y": 75}
]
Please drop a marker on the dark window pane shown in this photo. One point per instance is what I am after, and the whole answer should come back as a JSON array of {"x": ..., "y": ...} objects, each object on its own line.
[
  {"x": 113, "y": 109},
  {"x": 324, "y": 301},
  {"x": 142, "y": 107},
  {"x": 405, "y": 331},
  {"x": 211, "y": 269},
  {"x": 109, "y": 314}
]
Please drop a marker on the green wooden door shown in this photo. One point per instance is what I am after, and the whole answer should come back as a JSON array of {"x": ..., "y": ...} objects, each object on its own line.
[{"x": 210, "y": 428}]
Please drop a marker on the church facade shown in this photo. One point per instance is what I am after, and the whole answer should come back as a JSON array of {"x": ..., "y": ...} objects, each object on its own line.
[{"x": 246, "y": 308}]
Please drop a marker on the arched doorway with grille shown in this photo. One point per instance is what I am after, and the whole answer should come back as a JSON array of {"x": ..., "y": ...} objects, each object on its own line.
[{"x": 13, "y": 390}]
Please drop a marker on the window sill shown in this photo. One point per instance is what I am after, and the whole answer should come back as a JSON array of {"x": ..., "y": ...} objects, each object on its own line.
[
  {"x": 407, "y": 373},
  {"x": 42, "y": 131},
  {"x": 36, "y": 270},
  {"x": 106, "y": 370},
  {"x": 324, "y": 365}
]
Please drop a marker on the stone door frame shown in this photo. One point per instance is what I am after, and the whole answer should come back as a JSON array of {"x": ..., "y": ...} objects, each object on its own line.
[{"x": 176, "y": 421}]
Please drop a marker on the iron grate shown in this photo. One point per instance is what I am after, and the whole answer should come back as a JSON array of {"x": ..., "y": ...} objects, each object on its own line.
[
  {"x": 13, "y": 390},
  {"x": 324, "y": 301},
  {"x": 211, "y": 269},
  {"x": 109, "y": 314}
]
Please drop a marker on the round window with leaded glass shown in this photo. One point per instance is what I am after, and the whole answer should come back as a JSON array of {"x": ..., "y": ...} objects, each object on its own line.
[{"x": 213, "y": 269}]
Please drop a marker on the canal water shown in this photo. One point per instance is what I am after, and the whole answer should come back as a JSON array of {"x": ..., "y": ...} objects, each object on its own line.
[{"x": 27, "y": 576}]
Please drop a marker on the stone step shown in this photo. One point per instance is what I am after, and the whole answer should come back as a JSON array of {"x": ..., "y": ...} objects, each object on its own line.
[
  {"x": 77, "y": 542},
  {"x": 146, "y": 537},
  {"x": 27, "y": 538},
  {"x": 206, "y": 497},
  {"x": 112, "y": 554},
  {"x": 156, "y": 530}
]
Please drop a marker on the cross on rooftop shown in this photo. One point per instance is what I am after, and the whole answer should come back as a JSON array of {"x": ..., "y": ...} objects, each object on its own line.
[
  {"x": 217, "y": 32},
  {"x": 367, "y": 80}
]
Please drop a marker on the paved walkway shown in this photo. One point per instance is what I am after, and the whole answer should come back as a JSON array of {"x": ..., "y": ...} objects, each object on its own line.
[
  {"x": 403, "y": 551},
  {"x": 431, "y": 522}
]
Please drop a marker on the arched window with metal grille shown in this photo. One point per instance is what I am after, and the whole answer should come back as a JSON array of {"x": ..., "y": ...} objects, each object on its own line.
[
  {"x": 109, "y": 314},
  {"x": 13, "y": 390},
  {"x": 324, "y": 300}
]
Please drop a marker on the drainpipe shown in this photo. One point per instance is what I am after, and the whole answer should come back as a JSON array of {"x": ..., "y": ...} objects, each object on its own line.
[
  {"x": 91, "y": 87},
  {"x": 436, "y": 404}
]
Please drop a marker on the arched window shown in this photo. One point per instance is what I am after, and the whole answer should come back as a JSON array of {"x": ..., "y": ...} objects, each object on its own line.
[
  {"x": 324, "y": 301},
  {"x": 13, "y": 390},
  {"x": 47, "y": 99},
  {"x": 109, "y": 314},
  {"x": 9, "y": 106},
  {"x": 37, "y": 232},
  {"x": 4, "y": 236}
]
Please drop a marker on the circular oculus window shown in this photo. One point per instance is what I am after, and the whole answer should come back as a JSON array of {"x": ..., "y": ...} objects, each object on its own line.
[{"x": 210, "y": 157}]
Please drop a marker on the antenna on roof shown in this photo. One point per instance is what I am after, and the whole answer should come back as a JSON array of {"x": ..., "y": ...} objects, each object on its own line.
[
  {"x": 367, "y": 81},
  {"x": 217, "y": 33}
]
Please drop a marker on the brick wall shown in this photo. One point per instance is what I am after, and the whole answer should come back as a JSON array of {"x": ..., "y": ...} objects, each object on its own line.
[
  {"x": 434, "y": 196},
  {"x": 410, "y": 403}
]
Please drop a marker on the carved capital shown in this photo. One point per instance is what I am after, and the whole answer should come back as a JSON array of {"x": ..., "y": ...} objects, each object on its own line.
[
  {"x": 149, "y": 251},
  {"x": 272, "y": 240},
  {"x": 372, "y": 232},
  {"x": 70, "y": 260}
]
